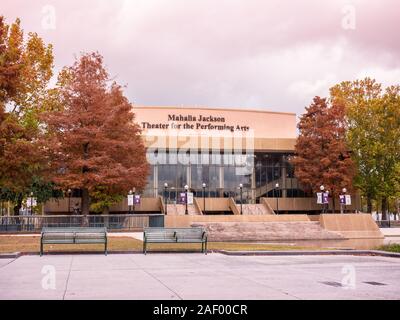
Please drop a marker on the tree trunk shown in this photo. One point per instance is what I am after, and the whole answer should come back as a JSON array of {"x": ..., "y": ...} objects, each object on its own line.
[
  {"x": 106, "y": 212},
  {"x": 85, "y": 202},
  {"x": 334, "y": 204},
  {"x": 384, "y": 208},
  {"x": 18, "y": 205},
  {"x": 369, "y": 204}
]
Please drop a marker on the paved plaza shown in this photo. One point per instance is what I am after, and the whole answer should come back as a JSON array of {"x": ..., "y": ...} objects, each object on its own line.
[{"x": 198, "y": 276}]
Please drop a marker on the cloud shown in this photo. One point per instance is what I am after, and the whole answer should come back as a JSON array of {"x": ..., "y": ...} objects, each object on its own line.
[{"x": 273, "y": 55}]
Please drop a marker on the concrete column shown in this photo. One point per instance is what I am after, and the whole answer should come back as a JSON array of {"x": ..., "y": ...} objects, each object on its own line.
[
  {"x": 189, "y": 175},
  {"x": 253, "y": 185},
  {"x": 283, "y": 175},
  {"x": 221, "y": 181},
  {"x": 221, "y": 177},
  {"x": 155, "y": 185}
]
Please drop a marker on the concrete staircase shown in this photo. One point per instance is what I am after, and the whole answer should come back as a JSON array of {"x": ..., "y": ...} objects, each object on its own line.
[
  {"x": 268, "y": 231},
  {"x": 254, "y": 209},
  {"x": 179, "y": 210}
]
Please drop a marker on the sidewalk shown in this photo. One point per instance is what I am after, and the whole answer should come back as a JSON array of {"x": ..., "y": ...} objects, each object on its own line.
[
  {"x": 392, "y": 235},
  {"x": 135, "y": 235}
]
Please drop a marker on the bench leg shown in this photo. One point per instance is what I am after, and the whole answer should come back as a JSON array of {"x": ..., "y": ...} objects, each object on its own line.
[
  {"x": 205, "y": 245},
  {"x": 41, "y": 248},
  {"x": 144, "y": 247},
  {"x": 105, "y": 248}
]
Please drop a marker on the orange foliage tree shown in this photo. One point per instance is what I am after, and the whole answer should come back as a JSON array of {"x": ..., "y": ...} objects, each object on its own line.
[
  {"x": 321, "y": 154},
  {"x": 92, "y": 142},
  {"x": 25, "y": 70}
]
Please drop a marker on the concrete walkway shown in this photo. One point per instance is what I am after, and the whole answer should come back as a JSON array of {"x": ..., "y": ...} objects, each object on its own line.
[
  {"x": 198, "y": 276},
  {"x": 135, "y": 235},
  {"x": 392, "y": 235}
]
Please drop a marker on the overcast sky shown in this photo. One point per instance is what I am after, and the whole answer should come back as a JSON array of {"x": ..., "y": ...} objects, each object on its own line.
[{"x": 257, "y": 54}]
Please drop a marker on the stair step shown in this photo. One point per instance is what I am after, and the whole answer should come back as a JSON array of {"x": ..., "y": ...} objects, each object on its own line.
[
  {"x": 179, "y": 209},
  {"x": 268, "y": 231},
  {"x": 254, "y": 209}
]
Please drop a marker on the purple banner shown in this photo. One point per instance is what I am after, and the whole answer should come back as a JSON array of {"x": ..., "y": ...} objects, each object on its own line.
[
  {"x": 136, "y": 199},
  {"x": 182, "y": 197},
  {"x": 325, "y": 197}
]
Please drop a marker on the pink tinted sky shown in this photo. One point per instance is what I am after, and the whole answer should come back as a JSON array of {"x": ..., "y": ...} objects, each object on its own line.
[{"x": 257, "y": 54}]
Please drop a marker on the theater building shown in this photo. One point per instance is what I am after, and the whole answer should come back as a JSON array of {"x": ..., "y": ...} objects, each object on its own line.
[
  {"x": 229, "y": 171},
  {"x": 221, "y": 148},
  {"x": 227, "y": 158}
]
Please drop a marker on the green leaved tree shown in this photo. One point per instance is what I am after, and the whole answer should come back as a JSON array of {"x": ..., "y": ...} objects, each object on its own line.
[{"x": 373, "y": 116}]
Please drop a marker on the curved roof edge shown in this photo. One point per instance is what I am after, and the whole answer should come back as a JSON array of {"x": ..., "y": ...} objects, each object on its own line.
[{"x": 211, "y": 108}]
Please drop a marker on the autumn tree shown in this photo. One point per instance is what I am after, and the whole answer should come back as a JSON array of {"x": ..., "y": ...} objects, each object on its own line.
[
  {"x": 25, "y": 70},
  {"x": 374, "y": 137},
  {"x": 359, "y": 98},
  {"x": 93, "y": 143},
  {"x": 321, "y": 154}
]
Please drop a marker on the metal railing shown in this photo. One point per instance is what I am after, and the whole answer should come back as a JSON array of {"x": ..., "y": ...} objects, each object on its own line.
[
  {"x": 131, "y": 222},
  {"x": 388, "y": 223}
]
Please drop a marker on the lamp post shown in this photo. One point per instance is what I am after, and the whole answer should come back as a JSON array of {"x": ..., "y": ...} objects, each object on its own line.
[
  {"x": 322, "y": 188},
  {"x": 165, "y": 196},
  {"x": 69, "y": 200},
  {"x": 134, "y": 199},
  {"x": 327, "y": 202},
  {"x": 186, "y": 199},
  {"x": 31, "y": 202},
  {"x": 241, "y": 198},
  {"x": 277, "y": 197},
  {"x": 129, "y": 207},
  {"x": 204, "y": 197},
  {"x": 343, "y": 204},
  {"x": 1, "y": 202}
]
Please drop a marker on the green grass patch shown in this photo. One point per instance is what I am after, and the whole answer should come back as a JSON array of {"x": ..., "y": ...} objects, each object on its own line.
[
  {"x": 32, "y": 244},
  {"x": 391, "y": 248}
]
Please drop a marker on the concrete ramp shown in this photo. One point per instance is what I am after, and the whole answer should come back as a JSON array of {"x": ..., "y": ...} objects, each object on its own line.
[
  {"x": 268, "y": 231},
  {"x": 354, "y": 226}
]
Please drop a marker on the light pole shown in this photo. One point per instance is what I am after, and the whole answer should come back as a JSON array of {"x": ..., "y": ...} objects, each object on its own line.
[
  {"x": 277, "y": 197},
  {"x": 69, "y": 200},
  {"x": 31, "y": 202},
  {"x": 327, "y": 201},
  {"x": 186, "y": 199},
  {"x": 343, "y": 204},
  {"x": 241, "y": 198},
  {"x": 134, "y": 199},
  {"x": 129, "y": 207},
  {"x": 204, "y": 197},
  {"x": 322, "y": 188},
  {"x": 165, "y": 196}
]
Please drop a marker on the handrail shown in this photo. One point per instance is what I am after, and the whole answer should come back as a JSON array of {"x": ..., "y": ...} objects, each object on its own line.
[
  {"x": 267, "y": 206},
  {"x": 197, "y": 206},
  {"x": 233, "y": 207},
  {"x": 163, "y": 205}
]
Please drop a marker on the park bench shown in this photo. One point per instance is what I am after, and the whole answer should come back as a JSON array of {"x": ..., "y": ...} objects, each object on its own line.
[
  {"x": 175, "y": 235},
  {"x": 78, "y": 235}
]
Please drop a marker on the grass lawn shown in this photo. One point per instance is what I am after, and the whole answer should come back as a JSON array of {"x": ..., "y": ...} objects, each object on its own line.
[
  {"x": 391, "y": 248},
  {"x": 31, "y": 244}
]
